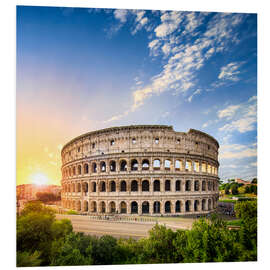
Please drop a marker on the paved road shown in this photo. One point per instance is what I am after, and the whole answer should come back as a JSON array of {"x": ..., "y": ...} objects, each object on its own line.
[{"x": 116, "y": 229}]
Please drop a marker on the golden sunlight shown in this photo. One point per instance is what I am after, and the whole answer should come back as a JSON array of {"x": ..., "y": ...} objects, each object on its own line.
[{"x": 39, "y": 179}]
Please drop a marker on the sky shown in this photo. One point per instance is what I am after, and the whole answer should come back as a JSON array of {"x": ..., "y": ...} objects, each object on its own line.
[{"x": 83, "y": 69}]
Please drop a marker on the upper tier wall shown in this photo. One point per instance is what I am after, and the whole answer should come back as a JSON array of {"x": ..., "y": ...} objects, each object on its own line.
[{"x": 144, "y": 138}]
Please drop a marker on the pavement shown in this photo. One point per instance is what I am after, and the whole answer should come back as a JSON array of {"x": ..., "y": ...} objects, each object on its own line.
[{"x": 123, "y": 228}]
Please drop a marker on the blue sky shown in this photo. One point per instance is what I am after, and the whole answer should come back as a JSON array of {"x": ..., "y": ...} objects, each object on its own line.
[{"x": 81, "y": 69}]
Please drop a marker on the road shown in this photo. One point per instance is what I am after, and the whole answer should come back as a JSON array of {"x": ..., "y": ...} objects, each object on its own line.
[{"x": 118, "y": 229}]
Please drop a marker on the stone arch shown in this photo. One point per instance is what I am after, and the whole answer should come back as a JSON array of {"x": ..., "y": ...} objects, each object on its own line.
[
  {"x": 156, "y": 185},
  {"x": 112, "y": 186},
  {"x": 178, "y": 185},
  {"x": 209, "y": 204},
  {"x": 78, "y": 205},
  {"x": 103, "y": 166},
  {"x": 145, "y": 185},
  {"x": 85, "y": 187},
  {"x": 112, "y": 166},
  {"x": 123, "y": 186},
  {"x": 209, "y": 185},
  {"x": 156, "y": 164},
  {"x": 196, "y": 185},
  {"x": 102, "y": 186},
  {"x": 102, "y": 207},
  {"x": 168, "y": 185},
  {"x": 203, "y": 204},
  {"x": 203, "y": 185},
  {"x": 177, "y": 165},
  {"x": 145, "y": 207},
  {"x": 145, "y": 165},
  {"x": 93, "y": 206},
  {"x": 74, "y": 170},
  {"x": 79, "y": 169},
  {"x": 188, "y": 185},
  {"x": 156, "y": 207},
  {"x": 167, "y": 164},
  {"x": 187, "y": 206},
  {"x": 85, "y": 168},
  {"x": 196, "y": 205},
  {"x": 134, "y": 165},
  {"x": 134, "y": 207},
  {"x": 112, "y": 207},
  {"x": 167, "y": 207},
  {"x": 85, "y": 206},
  {"x": 94, "y": 186},
  {"x": 123, "y": 207},
  {"x": 134, "y": 185},
  {"x": 79, "y": 187},
  {"x": 123, "y": 165},
  {"x": 177, "y": 206}
]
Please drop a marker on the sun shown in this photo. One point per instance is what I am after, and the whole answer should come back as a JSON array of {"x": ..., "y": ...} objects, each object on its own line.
[{"x": 39, "y": 179}]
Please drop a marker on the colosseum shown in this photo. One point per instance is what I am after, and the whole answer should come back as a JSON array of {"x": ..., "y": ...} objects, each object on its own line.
[{"x": 140, "y": 170}]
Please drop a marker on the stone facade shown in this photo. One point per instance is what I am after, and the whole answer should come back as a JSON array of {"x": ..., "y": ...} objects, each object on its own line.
[{"x": 142, "y": 169}]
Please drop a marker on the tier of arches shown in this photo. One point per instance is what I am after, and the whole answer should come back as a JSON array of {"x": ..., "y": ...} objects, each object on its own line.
[
  {"x": 141, "y": 186},
  {"x": 144, "y": 207},
  {"x": 142, "y": 164}
]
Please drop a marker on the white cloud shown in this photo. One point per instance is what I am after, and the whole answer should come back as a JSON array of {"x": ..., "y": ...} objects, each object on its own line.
[
  {"x": 230, "y": 71},
  {"x": 237, "y": 151},
  {"x": 197, "y": 92},
  {"x": 121, "y": 15},
  {"x": 228, "y": 112}
]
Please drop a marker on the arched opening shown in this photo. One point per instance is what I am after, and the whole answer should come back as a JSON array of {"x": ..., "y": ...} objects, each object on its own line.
[
  {"x": 196, "y": 205},
  {"x": 178, "y": 185},
  {"x": 188, "y": 185},
  {"x": 203, "y": 204},
  {"x": 167, "y": 185},
  {"x": 177, "y": 207},
  {"x": 209, "y": 204},
  {"x": 123, "y": 207},
  {"x": 187, "y": 204},
  {"x": 145, "y": 165},
  {"x": 156, "y": 185},
  {"x": 123, "y": 186},
  {"x": 85, "y": 168},
  {"x": 134, "y": 208},
  {"x": 145, "y": 185},
  {"x": 78, "y": 187},
  {"x": 168, "y": 207},
  {"x": 167, "y": 164},
  {"x": 156, "y": 207},
  {"x": 112, "y": 186},
  {"x": 156, "y": 164},
  {"x": 196, "y": 185},
  {"x": 145, "y": 207},
  {"x": 209, "y": 185},
  {"x": 203, "y": 185},
  {"x": 123, "y": 165},
  {"x": 112, "y": 166},
  {"x": 94, "y": 187},
  {"x": 93, "y": 207},
  {"x": 102, "y": 166},
  {"x": 177, "y": 165},
  {"x": 73, "y": 187},
  {"x": 85, "y": 206},
  {"x": 74, "y": 171},
  {"x": 85, "y": 187},
  {"x": 78, "y": 208},
  {"x": 94, "y": 167},
  {"x": 102, "y": 186},
  {"x": 79, "y": 169},
  {"x": 134, "y": 165},
  {"x": 134, "y": 185},
  {"x": 103, "y": 207},
  {"x": 112, "y": 207}
]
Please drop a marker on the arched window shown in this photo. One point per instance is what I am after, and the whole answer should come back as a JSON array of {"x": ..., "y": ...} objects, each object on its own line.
[
  {"x": 167, "y": 185},
  {"x": 85, "y": 206},
  {"x": 79, "y": 169},
  {"x": 74, "y": 171},
  {"x": 103, "y": 207},
  {"x": 102, "y": 186},
  {"x": 85, "y": 168},
  {"x": 102, "y": 166},
  {"x": 156, "y": 185},
  {"x": 93, "y": 207},
  {"x": 196, "y": 185},
  {"x": 123, "y": 165},
  {"x": 178, "y": 206},
  {"x": 134, "y": 208},
  {"x": 123, "y": 207},
  {"x": 167, "y": 164},
  {"x": 112, "y": 186},
  {"x": 187, "y": 204},
  {"x": 156, "y": 207},
  {"x": 177, "y": 165},
  {"x": 78, "y": 187},
  {"x": 85, "y": 187},
  {"x": 178, "y": 185},
  {"x": 134, "y": 185},
  {"x": 94, "y": 167},
  {"x": 156, "y": 164},
  {"x": 145, "y": 207},
  {"x": 94, "y": 187},
  {"x": 145, "y": 185},
  {"x": 203, "y": 204},
  {"x": 134, "y": 165},
  {"x": 78, "y": 208},
  {"x": 168, "y": 207},
  {"x": 123, "y": 186},
  {"x": 112, "y": 166},
  {"x": 145, "y": 164},
  {"x": 203, "y": 186},
  {"x": 209, "y": 185},
  {"x": 209, "y": 204},
  {"x": 196, "y": 205},
  {"x": 188, "y": 185},
  {"x": 112, "y": 207}
]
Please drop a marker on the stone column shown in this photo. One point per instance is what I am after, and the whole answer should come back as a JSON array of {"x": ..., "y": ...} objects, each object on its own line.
[{"x": 139, "y": 207}]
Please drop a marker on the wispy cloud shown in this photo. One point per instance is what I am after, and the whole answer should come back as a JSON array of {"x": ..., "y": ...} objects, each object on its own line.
[
  {"x": 230, "y": 71},
  {"x": 237, "y": 151}
]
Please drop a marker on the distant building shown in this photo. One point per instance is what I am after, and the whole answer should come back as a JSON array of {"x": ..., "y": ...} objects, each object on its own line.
[{"x": 240, "y": 181}]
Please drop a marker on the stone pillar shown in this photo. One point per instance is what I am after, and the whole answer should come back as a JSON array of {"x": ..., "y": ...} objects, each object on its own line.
[
  {"x": 151, "y": 206},
  {"x": 173, "y": 207},
  {"x": 139, "y": 207}
]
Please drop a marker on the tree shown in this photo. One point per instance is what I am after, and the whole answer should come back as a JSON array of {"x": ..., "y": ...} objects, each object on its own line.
[
  {"x": 254, "y": 181},
  {"x": 26, "y": 258},
  {"x": 234, "y": 189},
  {"x": 247, "y": 189},
  {"x": 227, "y": 189}
]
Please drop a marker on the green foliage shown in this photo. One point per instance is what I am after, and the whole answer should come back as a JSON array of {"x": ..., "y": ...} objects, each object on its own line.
[
  {"x": 253, "y": 189},
  {"x": 37, "y": 207},
  {"x": 72, "y": 212},
  {"x": 227, "y": 189},
  {"x": 26, "y": 258},
  {"x": 234, "y": 189},
  {"x": 254, "y": 181}
]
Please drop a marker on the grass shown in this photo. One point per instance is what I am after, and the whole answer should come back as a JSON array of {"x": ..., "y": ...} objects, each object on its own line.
[{"x": 235, "y": 222}]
